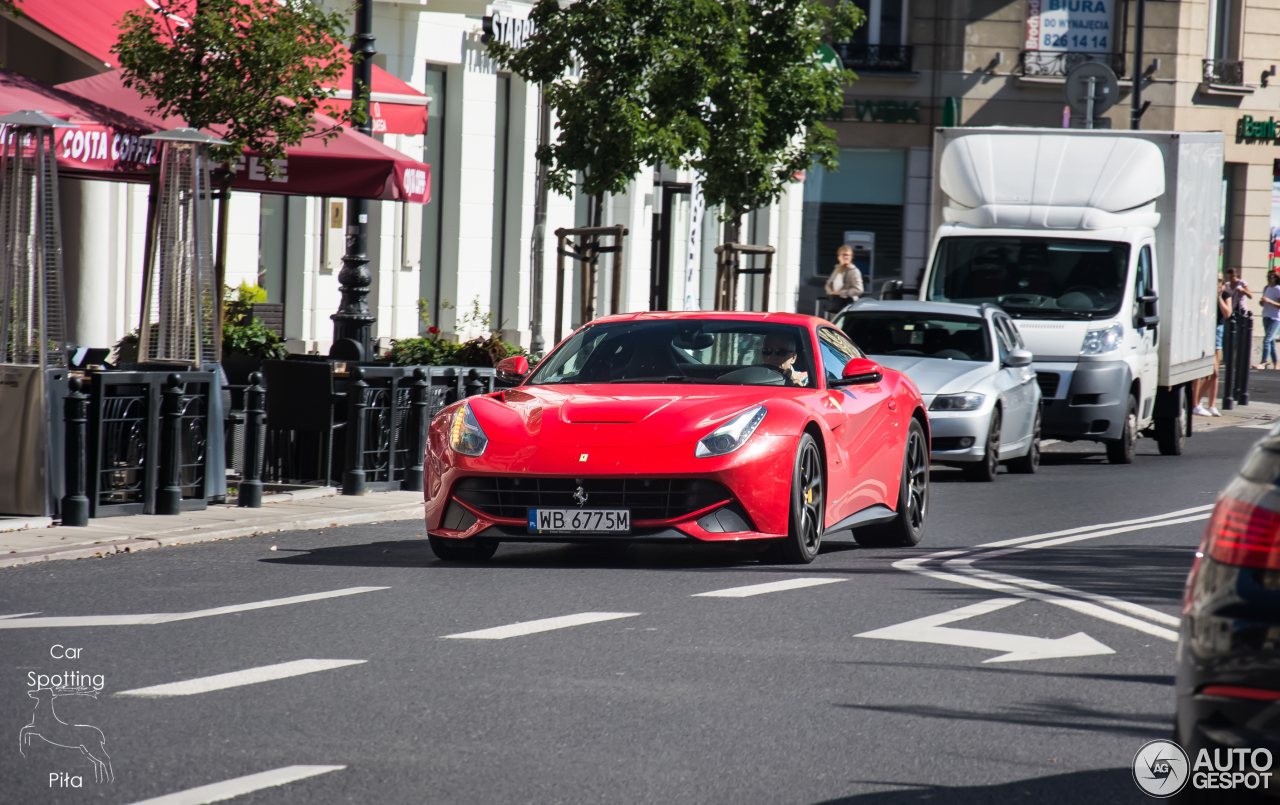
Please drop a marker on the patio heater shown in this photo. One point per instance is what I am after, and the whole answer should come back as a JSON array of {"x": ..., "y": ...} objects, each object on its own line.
[
  {"x": 179, "y": 289},
  {"x": 33, "y": 355}
]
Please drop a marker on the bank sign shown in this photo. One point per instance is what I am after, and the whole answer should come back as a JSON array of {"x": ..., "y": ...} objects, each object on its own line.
[{"x": 1084, "y": 26}]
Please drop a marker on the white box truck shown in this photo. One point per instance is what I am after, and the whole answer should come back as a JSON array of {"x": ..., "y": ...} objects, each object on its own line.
[{"x": 1104, "y": 247}]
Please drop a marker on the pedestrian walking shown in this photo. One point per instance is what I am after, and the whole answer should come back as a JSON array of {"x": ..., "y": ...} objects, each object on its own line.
[
  {"x": 1270, "y": 321},
  {"x": 1208, "y": 387},
  {"x": 844, "y": 286}
]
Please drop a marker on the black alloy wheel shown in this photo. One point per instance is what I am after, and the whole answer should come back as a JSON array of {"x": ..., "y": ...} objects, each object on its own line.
[
  {"x": 907, "y": 527},
  {"x": 475, "y": 549},
  {"x": 1028, "y": 464},
  {"x": 808, "y": 506},
  {"x": 986, "y": 469},
  {"x": 1120, "y": 451}
]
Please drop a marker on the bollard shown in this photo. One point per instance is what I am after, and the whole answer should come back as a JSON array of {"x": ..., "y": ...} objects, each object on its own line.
[
  {"x": 169, "y": 499},
  {"x": 1244, "y": 351},
  {"x": 1228, "y": 363},
  {"x": 473, "y": 385},
  {"x": 75, "y": 505},
  {"x": 418, "y": 425},
  {"x": 353, "y": 481},
  {"x": 250, "y": 496}
]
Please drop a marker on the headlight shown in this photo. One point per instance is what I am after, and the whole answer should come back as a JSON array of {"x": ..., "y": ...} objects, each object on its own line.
[
  {"x": 1100, "y": 342},
  {"x": 732, "y": 434},
  {"x": 465, "y": 435},
  {"x": 969, "y": 401}
]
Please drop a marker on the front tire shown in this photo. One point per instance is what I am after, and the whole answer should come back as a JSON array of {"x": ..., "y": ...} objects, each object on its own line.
[
  {"x": 986, "y": 469},
  {"x": 808, "y": 506},
  {"x": 1028, "y": 464},
  {"x": 1171, "y": 431},
  {"x": 1121, "y": 451},
  {"x": 463, "y": 550},
  {"x": 907, "y": 527}
]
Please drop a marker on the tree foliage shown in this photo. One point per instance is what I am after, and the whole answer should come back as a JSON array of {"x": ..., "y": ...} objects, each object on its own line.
[
  {"x": 732, "y": 88},
  {"x": 256, "y": 69}
]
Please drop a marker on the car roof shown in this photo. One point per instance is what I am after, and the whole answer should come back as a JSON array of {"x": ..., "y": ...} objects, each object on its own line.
[
  {"x": 916, "y": 306},
  {"x": 723, "y": 315}
]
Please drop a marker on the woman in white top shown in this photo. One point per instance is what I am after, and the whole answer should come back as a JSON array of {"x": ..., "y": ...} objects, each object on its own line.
[
  {"x": 1270, "y": 320},
  {"x": 844, "y": 286}
]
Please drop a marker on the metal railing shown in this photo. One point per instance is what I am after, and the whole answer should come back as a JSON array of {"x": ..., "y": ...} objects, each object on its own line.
[
  {"x": 875, "y": 58},
  {"x": 1225, "y": 72},
  {"x": 1060, "y": 62}
]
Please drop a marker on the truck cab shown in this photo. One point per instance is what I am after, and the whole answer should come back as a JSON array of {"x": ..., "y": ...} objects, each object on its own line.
[{"x": 1085, "y": 240}]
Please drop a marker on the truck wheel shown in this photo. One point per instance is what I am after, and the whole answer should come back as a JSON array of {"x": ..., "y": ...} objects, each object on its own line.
[
  {"x": 1120, "y": 451},
  {"x": 1171, "y": 431}
]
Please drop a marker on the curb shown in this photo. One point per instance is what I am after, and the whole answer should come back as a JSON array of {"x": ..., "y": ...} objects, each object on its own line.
[{"x": 135, "y": 544}]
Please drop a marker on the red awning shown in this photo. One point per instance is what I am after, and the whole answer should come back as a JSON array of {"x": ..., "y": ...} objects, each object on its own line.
[
  {"x": 106, "y": 144},
  {"x": 350, "y": 165},
  {"x": 91, "y": 26}
]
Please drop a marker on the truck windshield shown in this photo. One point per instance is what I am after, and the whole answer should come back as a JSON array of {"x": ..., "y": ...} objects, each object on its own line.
[{"x": 1032, "y": 277}]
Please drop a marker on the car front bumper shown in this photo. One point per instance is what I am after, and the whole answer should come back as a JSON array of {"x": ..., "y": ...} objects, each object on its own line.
[
  {"x": 1090, "y": 402},
  {"x": 950, "y": 430}
]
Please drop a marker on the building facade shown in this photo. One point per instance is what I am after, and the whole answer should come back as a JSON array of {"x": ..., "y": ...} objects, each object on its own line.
[
  {"x": 1208, "y": 65},
  {"x": 461, "y": 262}
]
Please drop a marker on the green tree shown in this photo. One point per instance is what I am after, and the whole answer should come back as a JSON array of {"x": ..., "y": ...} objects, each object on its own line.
[
  {"x": 732, "y": 88},
  {"x": 258, "y": 69}
]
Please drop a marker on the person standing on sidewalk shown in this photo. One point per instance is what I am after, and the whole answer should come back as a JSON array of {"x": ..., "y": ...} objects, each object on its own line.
[
  {"x": 844, "y": 286},
  {"x": 1270, "y": 321},
  {"x": 1208, "y": 387}
]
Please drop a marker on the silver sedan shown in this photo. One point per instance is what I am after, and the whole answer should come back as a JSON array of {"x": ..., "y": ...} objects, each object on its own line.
[{"x": 971, "y": 368}]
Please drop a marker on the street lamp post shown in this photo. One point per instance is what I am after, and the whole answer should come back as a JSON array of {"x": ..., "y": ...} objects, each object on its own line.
[{"x": 352, "y": 324}]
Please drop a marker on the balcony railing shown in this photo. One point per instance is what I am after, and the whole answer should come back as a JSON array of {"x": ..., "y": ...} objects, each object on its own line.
[
  {"x": 875, "y": 58},
  {"x": 1224, "y": 72},
  {"x": 1060, "y": 62}
]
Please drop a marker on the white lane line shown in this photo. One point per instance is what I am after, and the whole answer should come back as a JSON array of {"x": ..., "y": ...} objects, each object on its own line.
[
  {"x": 1098, "y": 598},
  {"x": 234, "y": 679},
  {"x": 18, "y": 615},
  {"x": 543, "y": 625},
  {"x": 761, "y": 589},
  {"x": 1083, "y": 607},
  {"x": 1088, "y": 528},
  {"x": 227, "y": 789},
  {"x": 169, "y": 617}
]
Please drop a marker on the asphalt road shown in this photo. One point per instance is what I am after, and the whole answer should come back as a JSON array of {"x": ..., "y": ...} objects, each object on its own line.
[{"x": 679, "y": 698}]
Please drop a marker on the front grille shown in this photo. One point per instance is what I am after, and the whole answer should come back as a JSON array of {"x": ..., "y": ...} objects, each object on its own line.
[
  {"x": 647, "y": 498},
  {"x": 1048, "y": 383}
]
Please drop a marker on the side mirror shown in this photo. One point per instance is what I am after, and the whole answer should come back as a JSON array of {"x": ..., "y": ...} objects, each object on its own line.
[
  {"x": 1018, "y": 357},
  {"x": 859, "y": 372},
  {"x": 517, "y": 365},
  {"x": 1148, "y": 317}
]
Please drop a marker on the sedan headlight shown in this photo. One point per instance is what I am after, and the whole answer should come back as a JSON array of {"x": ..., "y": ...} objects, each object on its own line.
[
  {"x": 732, "y": 434},
  {"x": 969, "y": 401},
  {"x": 1100, "y": 342},
  {"x": 465, "y": 434}
]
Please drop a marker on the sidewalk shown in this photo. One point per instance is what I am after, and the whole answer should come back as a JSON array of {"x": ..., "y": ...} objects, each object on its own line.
[
  {"x": 37, "y": 541},
  {"x": 1253, "y": 415}
]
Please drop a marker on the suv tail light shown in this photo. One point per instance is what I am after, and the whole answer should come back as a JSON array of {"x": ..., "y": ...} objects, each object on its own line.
[{"x": 1243, "y": 534}]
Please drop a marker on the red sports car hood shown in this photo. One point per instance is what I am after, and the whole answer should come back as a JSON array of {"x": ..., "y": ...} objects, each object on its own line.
[{"x": 614, "y": 415}]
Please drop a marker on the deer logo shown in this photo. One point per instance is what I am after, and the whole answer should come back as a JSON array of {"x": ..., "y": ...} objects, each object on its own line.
[{"x": 46, "y": 725}]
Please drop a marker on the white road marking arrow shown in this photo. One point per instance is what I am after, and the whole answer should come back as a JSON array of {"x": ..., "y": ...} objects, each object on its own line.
[{"x": 1019, "y": 647}]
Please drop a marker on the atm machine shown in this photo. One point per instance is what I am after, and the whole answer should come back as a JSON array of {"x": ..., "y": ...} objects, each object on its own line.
[{"x": 864, "y": 256}]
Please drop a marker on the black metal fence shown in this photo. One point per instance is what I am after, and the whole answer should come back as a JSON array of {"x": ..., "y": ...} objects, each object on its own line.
[
  {"x": 124, "y": 440},
  {"x": 874, "y": 58},
  {"x": 1060, "y": 62}
]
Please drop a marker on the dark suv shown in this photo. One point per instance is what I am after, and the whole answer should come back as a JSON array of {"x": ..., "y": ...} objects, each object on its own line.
[{"x": 1228, "y": 682}]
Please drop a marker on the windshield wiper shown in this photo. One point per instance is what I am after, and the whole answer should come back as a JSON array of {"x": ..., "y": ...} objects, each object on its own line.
[{"x": 667, "y": 379}]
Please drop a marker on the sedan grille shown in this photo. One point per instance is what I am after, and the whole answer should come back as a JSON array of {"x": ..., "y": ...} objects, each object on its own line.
[
  {"x": 1048, "y": 383},
  {"x": 647, "y": 498}
]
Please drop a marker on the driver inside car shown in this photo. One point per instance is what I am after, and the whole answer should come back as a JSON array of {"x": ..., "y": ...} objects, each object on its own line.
[{"x": 780, "y": 351}]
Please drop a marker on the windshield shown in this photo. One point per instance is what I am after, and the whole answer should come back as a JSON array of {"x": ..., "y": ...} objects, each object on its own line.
[
  {"x": 682, "y": 351},
  {"x": 918, "y": 335},
  {"x": 1032, "y": 277}
]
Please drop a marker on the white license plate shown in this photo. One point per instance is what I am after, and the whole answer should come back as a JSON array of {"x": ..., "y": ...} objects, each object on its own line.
[{"x": 580, "y": 521}]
